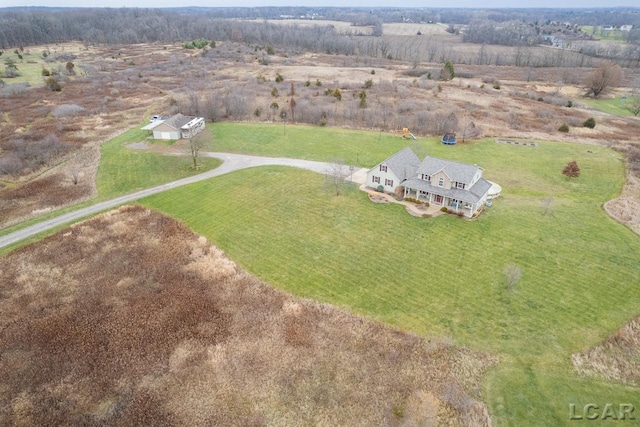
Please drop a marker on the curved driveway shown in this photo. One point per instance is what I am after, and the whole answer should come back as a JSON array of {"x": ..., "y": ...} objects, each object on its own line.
[{"x": 231, "y": 163}]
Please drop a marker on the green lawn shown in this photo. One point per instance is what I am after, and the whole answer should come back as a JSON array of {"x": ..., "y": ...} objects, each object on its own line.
[
  {"x": 29, "y": 68},
  {"x": 123, "y": 170},
  {"x": 306, "y": 142},
  {"x": 442, "y": 276},
  {"x": 610, "y": 105}
]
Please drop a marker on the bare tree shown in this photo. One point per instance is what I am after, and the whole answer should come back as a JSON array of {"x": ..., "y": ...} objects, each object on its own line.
[
  {"x": 512, "y": 274},
  {"x": 546, "y": 204},
  {"x": 572, "y": 170},
  {"x": 292, "y": 104},
  {"x": 605, "y": 75},
  {"x": 70, "y": 68},
  {"x": 337, "y": 174},
  {"x": 195, "y": 145}
]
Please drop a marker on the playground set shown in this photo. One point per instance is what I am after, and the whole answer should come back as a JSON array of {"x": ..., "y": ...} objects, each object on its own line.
[{"x": 406, "y": 134}]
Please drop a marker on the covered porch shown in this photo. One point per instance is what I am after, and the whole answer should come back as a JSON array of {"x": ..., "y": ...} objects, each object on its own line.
[{"x": 438, "y": 200}]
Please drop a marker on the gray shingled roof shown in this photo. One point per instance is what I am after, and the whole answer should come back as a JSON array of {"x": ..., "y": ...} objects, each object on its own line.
[
  {"x": 403, "y": 164},
  {"x": 459, "y": 172},
  {"x": 177, "y": 121},
  {"x": 471, "y": 195}
]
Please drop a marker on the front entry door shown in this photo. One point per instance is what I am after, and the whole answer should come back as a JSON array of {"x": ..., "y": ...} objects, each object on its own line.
[{"x": 438, "y": 199}]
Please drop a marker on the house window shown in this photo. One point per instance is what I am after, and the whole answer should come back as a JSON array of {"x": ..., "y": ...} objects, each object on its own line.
[
  {"x": 426, "y": 177},
  {"x": 388, "y": 182},
  {"x": 440, "y": 182},
  {"x": 375, "y": 179},
  {"x": 383, "y": 168},
  {"x": 460, "y": 185}
]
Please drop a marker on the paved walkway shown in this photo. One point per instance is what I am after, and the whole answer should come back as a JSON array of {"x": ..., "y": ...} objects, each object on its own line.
[
  {"x": 412, "y": 208},
  {"x": 231, "y": 163}
]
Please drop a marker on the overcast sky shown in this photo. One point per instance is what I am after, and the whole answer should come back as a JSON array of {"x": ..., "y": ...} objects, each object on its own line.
[{"x": 316, "y": 3}]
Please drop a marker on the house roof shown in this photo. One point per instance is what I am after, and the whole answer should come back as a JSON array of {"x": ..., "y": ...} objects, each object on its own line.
[
  {"x": 403, "y": 164},
  {"x": 151, "y": 125},
  {"x": 471, "y": 195},
  {"x": 456, "y": 171},
  {"x": 177, "y": 121}
]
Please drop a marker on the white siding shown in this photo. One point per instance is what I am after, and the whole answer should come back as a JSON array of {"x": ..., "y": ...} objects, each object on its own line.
[{"x": 385, "y": 178}]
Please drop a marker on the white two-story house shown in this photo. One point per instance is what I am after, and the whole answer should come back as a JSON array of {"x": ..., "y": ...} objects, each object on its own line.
[{"x": 458, "y": 186}]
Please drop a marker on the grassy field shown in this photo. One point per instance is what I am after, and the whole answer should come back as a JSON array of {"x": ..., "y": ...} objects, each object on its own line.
[
  {"x": 306, "y": 142},
  {"x": 123, "y": 170},
  {"x": 29, "y": 68},
  {"x": 601, "y": 34},
  {"x": 610, "y": 105},
  {"x": 443, "y": 276}
]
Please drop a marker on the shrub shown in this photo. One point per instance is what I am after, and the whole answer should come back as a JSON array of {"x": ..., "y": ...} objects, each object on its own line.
[
  {"x": 66, "y": 110},
  {"x": 540, "y": 99},
  {"x": 373, "y": 71},
  {"x": 380, "y": 188},
  {"x": 444, "y": 209},
  {"x": 197, "y": 44},
  {"x": 274, "y": 92},
  {"x": 318, "y": 83},
  {"x": 279, "y": 78},
  {"x": 448, "y": 67},
  {"x": 569, "y": 103},
  {"x": 270, "y": 50},
  {"x": 368, "y": 83},
  {"x": 337, "y": 94},
  {"x": 496, "y": 86},
  {"x": 53, "y": 85},
  {"x": 307, "y": 83},
  {"x": 257, "y": 112},
  {"x": 563, "y": 128},
  {"x": 45, "y": 72},
  {"x": 589, "y": 123},
  {"x": 323, "y": 121},
  {"x": 274, "y": 106}
]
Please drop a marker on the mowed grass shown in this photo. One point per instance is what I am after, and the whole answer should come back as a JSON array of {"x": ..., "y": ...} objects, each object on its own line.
[
  {"x": 617, "y": 106},
  {"x": 29, "y": 68},
  {"x": 444, "y": 276},
  {"x": 123, "y": 170},
  {"x": 306, "y": 142}
]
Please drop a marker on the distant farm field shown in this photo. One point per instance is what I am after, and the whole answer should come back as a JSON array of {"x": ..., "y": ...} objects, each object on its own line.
[{"x": 444, "y": 276}]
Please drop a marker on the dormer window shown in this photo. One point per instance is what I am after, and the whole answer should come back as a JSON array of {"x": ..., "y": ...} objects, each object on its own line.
[
  {"x": 440, "y": 182},
  {"x": 426, "y": 177},
  {"x": 460, "y": 185},
  {"x": 383, "y": 168}
]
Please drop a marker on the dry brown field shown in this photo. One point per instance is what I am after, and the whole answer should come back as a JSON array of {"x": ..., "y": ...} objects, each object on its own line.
[
  {"x": 131, "y": 319},
  {"x": 615, "y": 359},
  {"x": 118, "y": 87}
]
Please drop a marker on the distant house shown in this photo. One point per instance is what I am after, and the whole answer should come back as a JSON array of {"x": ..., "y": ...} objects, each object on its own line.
[
  {"x": 457, "y": 186},
  {"x": 176, "y": 127}
]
